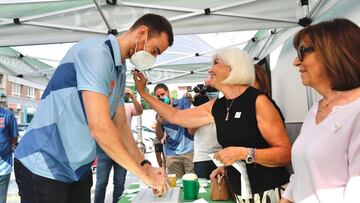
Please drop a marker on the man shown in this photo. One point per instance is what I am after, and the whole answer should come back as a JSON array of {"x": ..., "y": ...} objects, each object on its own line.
[
  {"x": 105, "y": 163},
  {"x": 8, "y": 138},
  {"x": 81, "y": 105},
  {"x": 179, "y": 144}
]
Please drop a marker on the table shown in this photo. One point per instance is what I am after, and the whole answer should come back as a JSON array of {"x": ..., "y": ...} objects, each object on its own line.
[{"x": 206, "y": 196}]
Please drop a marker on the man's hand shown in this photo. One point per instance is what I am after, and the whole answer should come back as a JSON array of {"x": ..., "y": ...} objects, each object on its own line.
[
  {"x": 229, "y": 155},
  {"x": 140, "y": 81},
  {"x": 158, "y": 179}
]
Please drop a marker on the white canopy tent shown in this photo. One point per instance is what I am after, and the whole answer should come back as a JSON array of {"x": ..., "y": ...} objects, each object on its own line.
[
  {"x": 180, "y": 63},
  {"x": 73, "y": 20},
  {"x": 58, "y": 21}
]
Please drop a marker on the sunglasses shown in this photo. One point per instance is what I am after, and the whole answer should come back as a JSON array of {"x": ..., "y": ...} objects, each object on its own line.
[{"x": 302, "y": 50}]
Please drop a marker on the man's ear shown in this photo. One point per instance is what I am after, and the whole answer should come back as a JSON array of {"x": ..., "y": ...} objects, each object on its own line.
[{"x": 142, "y": 31}]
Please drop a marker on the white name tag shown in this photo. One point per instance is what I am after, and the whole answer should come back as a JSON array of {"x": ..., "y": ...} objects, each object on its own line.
[
  {"x": 336, "y": 127},
  {"x": 237, "y": 115}
]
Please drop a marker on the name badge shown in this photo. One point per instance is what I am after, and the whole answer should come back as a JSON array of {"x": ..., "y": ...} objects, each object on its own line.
[
  {"x": 336, "y": 127},
  {"x": 237, "y": 115}
]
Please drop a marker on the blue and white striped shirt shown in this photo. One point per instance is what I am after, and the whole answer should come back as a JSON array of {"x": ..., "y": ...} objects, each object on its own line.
[{"x": 58, "y": 144}]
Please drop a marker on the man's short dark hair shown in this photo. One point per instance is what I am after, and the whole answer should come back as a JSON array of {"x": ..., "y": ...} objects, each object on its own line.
[
  {"x": 161, "y": 86},
  {"x": 157, "y": 24}
]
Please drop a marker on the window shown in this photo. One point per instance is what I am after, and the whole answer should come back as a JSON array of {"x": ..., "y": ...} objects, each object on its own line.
[
  {"x": 16, "y": 89},
  {"x": 1, "y": 80},
  {"x": 40, "y": 93},
  {"x": 30, "y": 92}
]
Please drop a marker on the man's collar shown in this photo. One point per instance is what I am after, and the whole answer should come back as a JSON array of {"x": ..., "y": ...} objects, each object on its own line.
[{"x": 116, "y": 50}]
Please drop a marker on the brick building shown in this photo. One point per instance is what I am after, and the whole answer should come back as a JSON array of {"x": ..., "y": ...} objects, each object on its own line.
[{"x": 20, "y": 96}]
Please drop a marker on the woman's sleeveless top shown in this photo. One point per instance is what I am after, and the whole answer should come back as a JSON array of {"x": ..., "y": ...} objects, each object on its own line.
[{"x": 241, "y": 129}]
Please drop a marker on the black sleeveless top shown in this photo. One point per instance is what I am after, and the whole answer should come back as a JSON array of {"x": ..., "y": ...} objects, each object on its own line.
[{"x": 241, "y": 130}]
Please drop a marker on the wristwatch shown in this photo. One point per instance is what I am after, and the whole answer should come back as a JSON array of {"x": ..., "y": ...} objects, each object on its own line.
[
  {"x": 250, "y": 158},
  {"x": 145, "y": 161}
]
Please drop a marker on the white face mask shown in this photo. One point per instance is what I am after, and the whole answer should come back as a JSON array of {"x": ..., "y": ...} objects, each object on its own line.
[{"x": 142, "y": 59}]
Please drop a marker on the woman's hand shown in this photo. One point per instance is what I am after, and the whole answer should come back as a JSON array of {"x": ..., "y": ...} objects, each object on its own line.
[
  {"x": 230, "y": 155},
  {"x": 140, "y": 81},
  {"x": 219, "y": 170}
]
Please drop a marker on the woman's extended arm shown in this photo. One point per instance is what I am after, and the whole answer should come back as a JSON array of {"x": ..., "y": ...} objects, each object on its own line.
[{"x": 188, "y": 118}]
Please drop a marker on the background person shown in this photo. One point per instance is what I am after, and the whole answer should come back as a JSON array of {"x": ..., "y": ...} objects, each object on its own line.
[
  {"x": 83, "y": 104},
  {"x": 105, "y": 163},
  {"x": 326, "y": 155},
  {"x": 8, "y": 139},
  {"x": 248, "y": 125},
  {"x": 132, "y": 108},
  {"x": 179, "y": 144},
  {"x": 159, "y": 148},
  {"x": 262, "y": 81},
  {"x": 205, "y": 140}
]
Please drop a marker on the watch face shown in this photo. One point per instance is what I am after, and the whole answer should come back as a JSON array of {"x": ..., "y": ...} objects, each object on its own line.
[{"x": 249, "y": 160}]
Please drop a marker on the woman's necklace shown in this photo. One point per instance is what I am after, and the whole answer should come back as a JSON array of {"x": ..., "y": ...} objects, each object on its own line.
[
  {"x": 228, "y": 109},
  {"x": 320, "y": 109}
]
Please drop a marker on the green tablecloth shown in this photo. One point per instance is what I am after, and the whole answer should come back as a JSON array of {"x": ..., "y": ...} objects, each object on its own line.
[{"x": 206, "y": 196}]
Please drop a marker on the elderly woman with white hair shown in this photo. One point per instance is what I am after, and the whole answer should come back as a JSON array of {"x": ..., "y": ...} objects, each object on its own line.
[{"x": 249, "y": 126}]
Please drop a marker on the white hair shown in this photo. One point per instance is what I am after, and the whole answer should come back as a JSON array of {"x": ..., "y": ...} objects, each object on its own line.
[{"x": 241, "y": 64}]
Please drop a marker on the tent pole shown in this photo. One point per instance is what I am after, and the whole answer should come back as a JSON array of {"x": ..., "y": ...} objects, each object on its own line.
[
  {"x": 36, "y": 69},
  {"x": 79, "y": 8},
  {"x": 200, "y": 12},
  {"x": 102, "y": 15},
  {"x": 315, "y": 8},
  {"x": 170, "y": 8},
  {"x": 229, "y": 14},
  {"x": 266, "y": 43},
  {"x": 173, "y": 71},
  {"x": 65, "y": 27},
  {"x": 8, "y": 21},
  {"x": 4, "y": 66}
]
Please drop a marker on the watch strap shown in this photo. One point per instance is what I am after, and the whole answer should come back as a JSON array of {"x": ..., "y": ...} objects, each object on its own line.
[{"x": 145, "y": 161}]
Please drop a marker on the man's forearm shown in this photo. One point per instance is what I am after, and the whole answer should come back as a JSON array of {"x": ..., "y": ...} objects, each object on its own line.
[
  {"x": 117, "y": 149},
  {"x": 128, "y": 138},
  {"x": 130, "y": 144}
]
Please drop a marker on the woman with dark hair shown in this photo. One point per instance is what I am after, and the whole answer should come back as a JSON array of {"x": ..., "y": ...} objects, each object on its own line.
[
  {"x": 326, "y": 155},
  {"x": 261, "y": 80}
]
